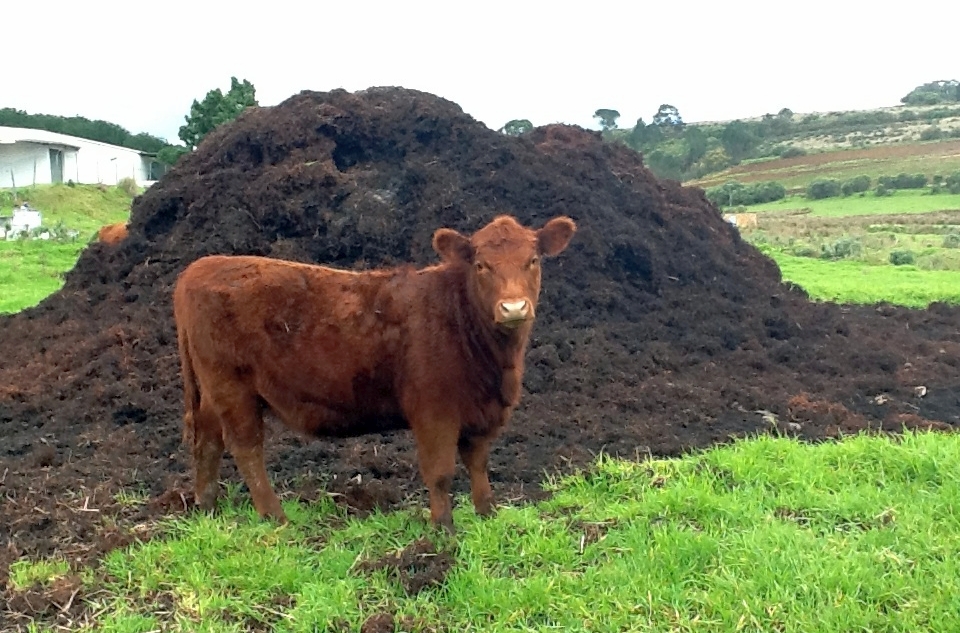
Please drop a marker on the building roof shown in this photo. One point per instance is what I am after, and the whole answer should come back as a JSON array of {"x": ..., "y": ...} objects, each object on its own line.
[{"x": 10, "y": 135}]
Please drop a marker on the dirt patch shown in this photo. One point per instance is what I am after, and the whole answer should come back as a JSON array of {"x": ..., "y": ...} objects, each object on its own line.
[
  {"x": 660, "y": 329},
  {"x": 61, "y": 602},
  {"x": 417, "y": 566}
]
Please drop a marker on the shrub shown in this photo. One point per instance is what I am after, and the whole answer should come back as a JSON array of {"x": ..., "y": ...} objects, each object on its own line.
[
  {"x": 128, "y": 186},
  {"x": 931, "y": 133},
  {"x": 827, "y": 188},
  {"x": 841, "y": 249},
  {"x": 901, "y": 258},
  {"x": 952, "y": 182},
  {"x": 882, "y": 190},
  {"x": 951, "y": 240},
  {"x": 792, "y": 151},
  {"x": 904, "y": 181},
  {"x": 859, "y": 184}
]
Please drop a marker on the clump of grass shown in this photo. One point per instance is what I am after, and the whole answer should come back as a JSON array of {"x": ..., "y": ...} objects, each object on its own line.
[{"x": 24, "y": 573}]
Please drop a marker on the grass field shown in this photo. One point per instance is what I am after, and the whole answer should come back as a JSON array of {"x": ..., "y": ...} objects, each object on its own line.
[
  {"x": 903, "y": 201},
  {"x": 940, "y": 157},
  {"x": 857, "y": 282},
  {"x": 33, "y": 269},
  {"x": 761, "y": 535}
]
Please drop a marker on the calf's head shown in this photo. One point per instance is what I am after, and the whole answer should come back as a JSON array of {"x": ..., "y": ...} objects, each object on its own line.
[{"x": 502, "y": 263}]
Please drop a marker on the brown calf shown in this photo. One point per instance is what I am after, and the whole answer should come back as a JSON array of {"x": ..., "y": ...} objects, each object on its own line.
[
  {"x": 113, "y": 233},
  {"x": 332, "y": 352}
]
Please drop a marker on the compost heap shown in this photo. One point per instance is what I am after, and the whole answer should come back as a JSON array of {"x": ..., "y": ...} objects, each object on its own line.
[{"x": 659, "y": 328}]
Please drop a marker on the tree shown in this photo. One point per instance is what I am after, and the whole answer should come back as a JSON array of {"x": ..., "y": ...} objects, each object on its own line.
[
  {"x": 516, "y": 127},
  {"x": 668, "y": 115},
  {"x": 607, "y": 118},
  {"x": 737, "y": 140},
  {"x": 215, "y": 110}
]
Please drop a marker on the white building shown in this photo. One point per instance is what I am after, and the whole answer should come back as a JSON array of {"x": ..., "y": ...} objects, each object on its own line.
[{"x": 37, "y": 157}]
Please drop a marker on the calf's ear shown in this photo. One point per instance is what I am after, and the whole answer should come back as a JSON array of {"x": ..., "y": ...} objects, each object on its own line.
[
  {"x": 451, "y": 246},
  {"x": 555, "y": 235}
]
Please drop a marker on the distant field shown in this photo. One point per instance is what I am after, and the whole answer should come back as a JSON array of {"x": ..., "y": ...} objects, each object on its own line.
[
  {"x": 938, "y": 157},
  {"x": 83, "y": 208},
  {"x": 848, "y": 281},
  {"x": 30, "y": 270},
  {"x": 903, "y": 201}
]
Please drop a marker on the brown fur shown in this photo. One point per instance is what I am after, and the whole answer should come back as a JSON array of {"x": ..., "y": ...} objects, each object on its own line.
[
  {"x": 331, "y": 352},
  {"x": 113, "y": 233}
]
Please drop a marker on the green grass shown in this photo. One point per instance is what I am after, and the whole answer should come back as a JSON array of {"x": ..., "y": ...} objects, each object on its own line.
[
  {"x": 32, "y": 270},
  {"x": 761, "y": 535},
  {"x": 25, "y": 573},
  {"x": 904, "y": 201},
  {"x": 846, "y": 281},
  {"x": 84, "y": 208}
]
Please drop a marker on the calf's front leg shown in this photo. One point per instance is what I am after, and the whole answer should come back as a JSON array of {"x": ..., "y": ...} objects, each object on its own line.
[
  {"x": 437, "y": 454},
  {"x": 474, "y": 452}
]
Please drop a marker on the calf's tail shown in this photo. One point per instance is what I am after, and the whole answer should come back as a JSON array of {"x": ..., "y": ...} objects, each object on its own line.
[{"x": 191, "y": 388}]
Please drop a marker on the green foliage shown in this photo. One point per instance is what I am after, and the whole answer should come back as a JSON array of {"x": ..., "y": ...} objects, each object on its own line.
[
  {"x": 823, "y": 188},
  {"x": 933, "y": 93},
  {"x": 931, "y": 133},
  {"x": 216, "y": 109},
  {"x": 858, "y": 184},
  {"x": 738, "y": 140},
  {"x": 607, "y": 118},
  {"x": 843, "y": 248},
  {"x": 734, "y": 193},
  {"x": 952, "y": 182},
  {"x": 903, "y": 181},
  {"x": 951, "y": 240},
  {"x": 82, "y": 127},
  {"x": 883, "y": 190},
  {"x": 902, "y": 257},
  {"x": 170, "y": 154},
  {"x": 792, "y": 151},
  {"x": 516, "y": 127},
  {"x": 668, "y": 116}
]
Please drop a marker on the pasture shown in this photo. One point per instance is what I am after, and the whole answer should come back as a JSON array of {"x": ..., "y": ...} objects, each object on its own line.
[
  {"x": 762, "y": 535},
  {"x": 33, "y": 269}
]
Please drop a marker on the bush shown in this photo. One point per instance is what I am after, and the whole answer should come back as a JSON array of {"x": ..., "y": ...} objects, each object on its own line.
[
  {"x": 904, "y": 181},
  {"x": 841, "y": 249},
  {"x": 882, "y": 190},
  {"x": 951, "y": 240},
  {"x": 952, "y": 182},
  {"x": 859, "y": 184},
  {"x": 128, "y": 186},
  {"x": 931, "y": 133},
  {"x": 819, "y": 189},
  {"x": 792, "y": 151},
  {"x": 901, "y": 258},
  {"x": 738, "y": 194}
]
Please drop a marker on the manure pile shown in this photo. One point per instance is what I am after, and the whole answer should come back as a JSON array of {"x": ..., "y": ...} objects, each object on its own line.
[{"x": 659, "y": 330}]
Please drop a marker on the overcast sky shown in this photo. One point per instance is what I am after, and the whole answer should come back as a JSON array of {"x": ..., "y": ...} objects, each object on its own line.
[{"x": 141, "y": 64}]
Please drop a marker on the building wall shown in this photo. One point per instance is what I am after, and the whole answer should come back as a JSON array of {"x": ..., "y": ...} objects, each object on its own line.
[
  {"x": 89, "y": 162},
  {"x": 28, "y": 162}
]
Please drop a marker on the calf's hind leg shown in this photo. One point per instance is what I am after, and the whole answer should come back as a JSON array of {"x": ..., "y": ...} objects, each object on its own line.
[{"x": 207, "y": 452}]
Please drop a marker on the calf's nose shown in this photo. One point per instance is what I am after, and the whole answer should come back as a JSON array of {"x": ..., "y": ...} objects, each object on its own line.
[{"x": 514, "y": 310}]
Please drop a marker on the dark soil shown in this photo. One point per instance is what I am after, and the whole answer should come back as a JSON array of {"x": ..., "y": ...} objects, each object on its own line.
[
  {"x": 417, "y": 567},
  {"x": 659, "y": 331}
]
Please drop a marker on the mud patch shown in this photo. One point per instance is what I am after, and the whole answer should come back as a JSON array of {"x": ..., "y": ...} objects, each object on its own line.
[{"x": 417, "y": 567}]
